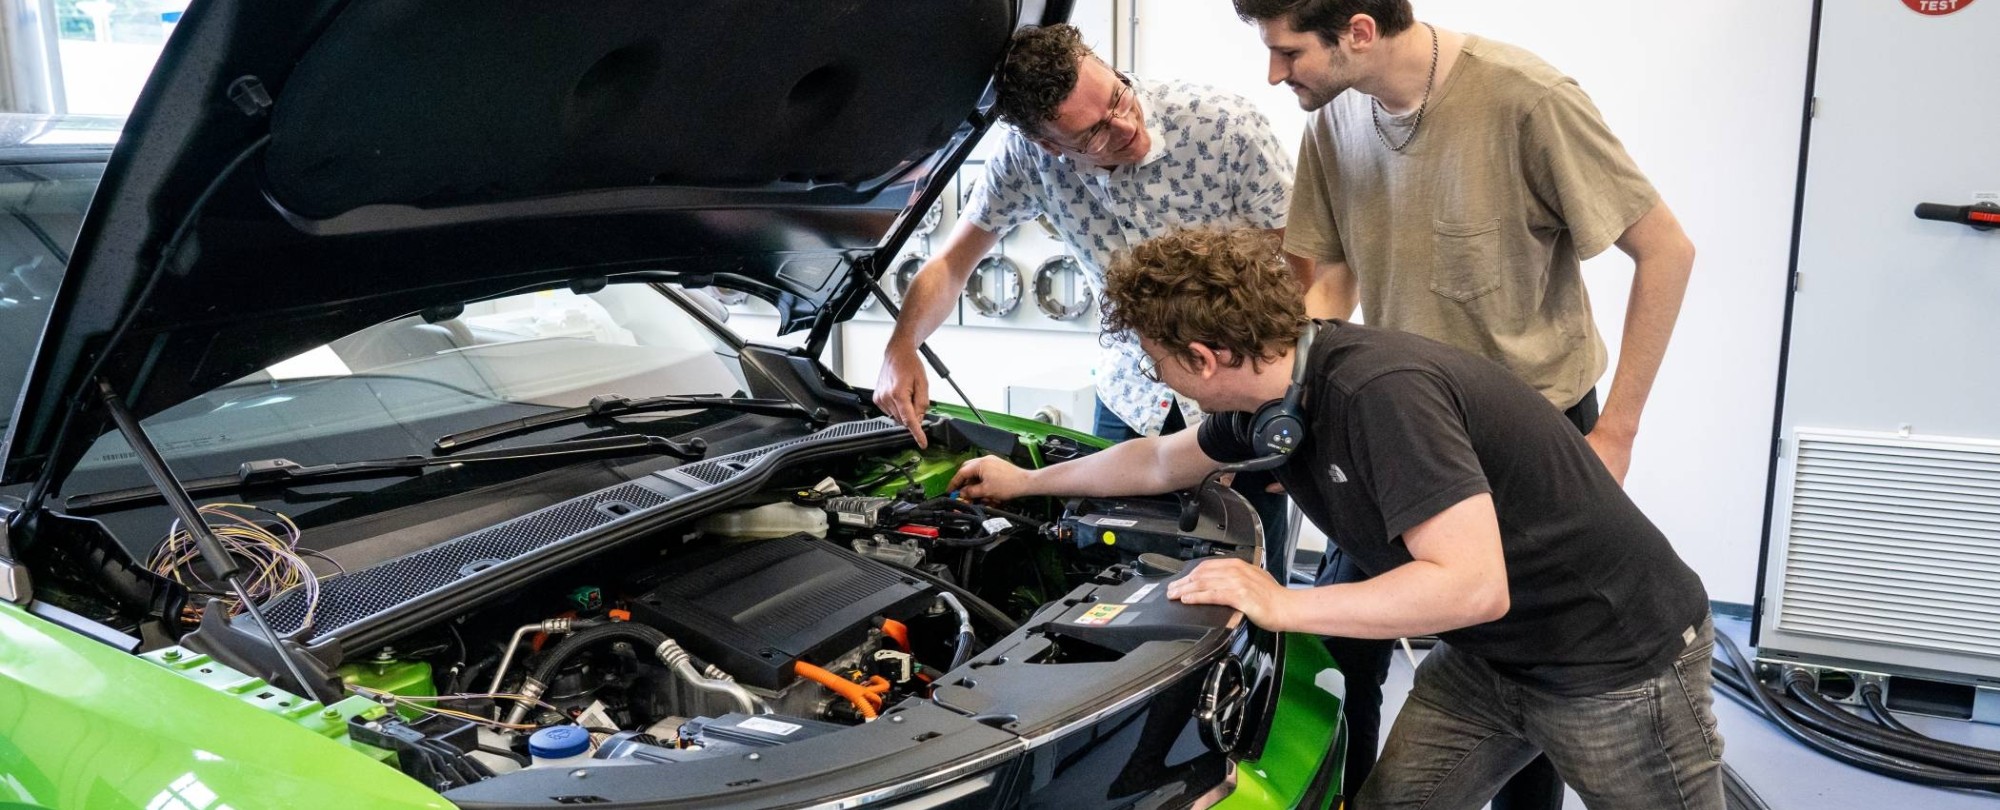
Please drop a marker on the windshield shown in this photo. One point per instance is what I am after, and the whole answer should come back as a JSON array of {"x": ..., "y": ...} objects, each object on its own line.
[{"x": 391, "y": 389}]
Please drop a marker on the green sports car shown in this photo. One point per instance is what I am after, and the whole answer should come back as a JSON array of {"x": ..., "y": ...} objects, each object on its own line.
[{"x": 377, "y": 442}]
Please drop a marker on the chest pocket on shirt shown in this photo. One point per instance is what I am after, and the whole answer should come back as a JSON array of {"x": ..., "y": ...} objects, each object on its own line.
[{"x": 1466, "y": 259}]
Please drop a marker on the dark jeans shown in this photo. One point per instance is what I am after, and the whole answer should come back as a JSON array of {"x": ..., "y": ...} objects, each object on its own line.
[
  {"x": 1467, "y": 727},
  {"x": 1270, "y": 506},
  {"x": 1365, "y": 662}
]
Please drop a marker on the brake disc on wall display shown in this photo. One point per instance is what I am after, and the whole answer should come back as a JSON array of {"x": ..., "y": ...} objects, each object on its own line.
[
  {"x": 995, "y": 287},
  {"x": 929, "y": 224},
  {"x": 906, "y": 273},
  {"x": 1060, "y": 289}
]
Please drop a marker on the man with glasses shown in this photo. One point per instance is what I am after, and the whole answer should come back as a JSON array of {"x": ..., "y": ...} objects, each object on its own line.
[{"x": 1110, "y": 161}]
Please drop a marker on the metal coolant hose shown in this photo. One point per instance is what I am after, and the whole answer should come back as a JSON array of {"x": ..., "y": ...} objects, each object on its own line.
[
  {"x": 673, "y": 656},
  {"x": 965, "y": 637}
]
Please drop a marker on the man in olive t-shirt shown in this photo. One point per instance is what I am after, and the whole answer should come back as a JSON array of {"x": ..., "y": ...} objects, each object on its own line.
[{"x": 1455, "y": 192}]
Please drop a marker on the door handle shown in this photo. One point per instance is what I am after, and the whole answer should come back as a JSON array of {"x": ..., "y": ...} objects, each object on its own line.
[{"x": 1983, "y": 216}]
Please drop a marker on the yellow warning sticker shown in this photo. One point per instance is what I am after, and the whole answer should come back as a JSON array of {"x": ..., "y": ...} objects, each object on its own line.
[{"x": 1102, "y": 614}]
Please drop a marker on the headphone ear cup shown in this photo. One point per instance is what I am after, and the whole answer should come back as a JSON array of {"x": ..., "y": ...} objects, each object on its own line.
[{"x": 1277, "y": 428}]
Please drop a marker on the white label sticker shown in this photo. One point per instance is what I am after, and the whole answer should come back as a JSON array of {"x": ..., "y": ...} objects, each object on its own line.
[
  {"x": 997, "y": 525},
  {"x": 1119, "y": 523},
  {"x": 1986, "y": 196},
  {"x": 768, "y": 726},
  {"x": 1140, "y": 595}
]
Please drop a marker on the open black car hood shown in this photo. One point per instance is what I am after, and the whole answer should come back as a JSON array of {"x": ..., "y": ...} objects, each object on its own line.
[{"x": 331, "y": 164}]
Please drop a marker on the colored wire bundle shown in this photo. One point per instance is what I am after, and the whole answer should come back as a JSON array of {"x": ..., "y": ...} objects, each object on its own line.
[
  {"x": 274, "y": 564},
  {"x": 419, "y": 702}
]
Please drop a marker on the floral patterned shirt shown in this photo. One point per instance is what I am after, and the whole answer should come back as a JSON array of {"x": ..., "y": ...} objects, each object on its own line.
[{"x": 1213, "y": 163}]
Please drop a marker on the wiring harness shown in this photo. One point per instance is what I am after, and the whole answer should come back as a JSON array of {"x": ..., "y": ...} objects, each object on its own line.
[{"x": 266, "y": 542}]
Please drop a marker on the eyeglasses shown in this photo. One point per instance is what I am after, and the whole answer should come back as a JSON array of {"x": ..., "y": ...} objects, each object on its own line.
[
  {"x": 1098, "y": 138},
  {"x": 1149, "y": 367}
]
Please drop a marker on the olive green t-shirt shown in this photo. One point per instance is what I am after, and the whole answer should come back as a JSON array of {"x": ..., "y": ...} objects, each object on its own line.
[{"x": 1472, "y": 235}]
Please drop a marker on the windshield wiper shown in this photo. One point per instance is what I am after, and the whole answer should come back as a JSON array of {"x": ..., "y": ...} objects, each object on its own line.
[
  {"x": 614, "y": 405},
  {"x": 284, "y": 472}
]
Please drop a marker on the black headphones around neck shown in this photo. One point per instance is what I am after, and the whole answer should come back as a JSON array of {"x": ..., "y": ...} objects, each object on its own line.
[{"x": 1278, "y": 428}]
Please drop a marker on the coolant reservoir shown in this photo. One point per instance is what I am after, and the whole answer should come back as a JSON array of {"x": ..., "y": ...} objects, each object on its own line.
[{"x": 771, "y": 520}]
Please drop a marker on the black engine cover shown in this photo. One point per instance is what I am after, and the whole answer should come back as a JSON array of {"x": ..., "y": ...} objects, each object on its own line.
[{"x": 755, "y": 607}]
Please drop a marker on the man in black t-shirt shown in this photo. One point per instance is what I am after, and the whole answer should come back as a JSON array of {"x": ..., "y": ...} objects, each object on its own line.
[{"x": 1569, "y": 625}]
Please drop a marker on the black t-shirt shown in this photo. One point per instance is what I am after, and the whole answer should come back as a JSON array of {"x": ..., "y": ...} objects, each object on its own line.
[{"x": 1400, "y": 427}]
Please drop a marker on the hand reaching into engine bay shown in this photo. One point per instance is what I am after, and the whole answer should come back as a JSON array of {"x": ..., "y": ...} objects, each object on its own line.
[
  {"x": 1237, "y": 584},
  {"x": 990, "y": 478}
]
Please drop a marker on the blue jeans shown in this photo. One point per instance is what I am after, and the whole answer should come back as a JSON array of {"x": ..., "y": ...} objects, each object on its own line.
[
  {"x": 1270, "y": 506},
  {"x": 1466, "y": 729}
]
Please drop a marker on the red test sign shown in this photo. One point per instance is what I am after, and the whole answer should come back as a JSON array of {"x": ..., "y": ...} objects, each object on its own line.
[{"x": 1937, "y": 8}]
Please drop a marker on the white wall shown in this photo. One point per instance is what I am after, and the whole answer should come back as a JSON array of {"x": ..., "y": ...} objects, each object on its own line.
[{"x": 1706, "y": 95}]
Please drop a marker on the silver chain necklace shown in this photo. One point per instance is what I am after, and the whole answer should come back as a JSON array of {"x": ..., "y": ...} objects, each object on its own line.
[{"x": 1375, "y": 108}]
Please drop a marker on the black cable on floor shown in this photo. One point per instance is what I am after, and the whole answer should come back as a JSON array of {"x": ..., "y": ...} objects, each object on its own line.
[
  {"x": 1887, "y": 754},
  {"x": 1736, "y": 793}
]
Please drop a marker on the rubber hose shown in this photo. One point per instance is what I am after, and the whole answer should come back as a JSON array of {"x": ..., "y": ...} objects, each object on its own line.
[
  {"x": 1871, "y": 695},
  {"x": 568, "y": 648},
  {"x": 1853, "y": 755},
  {"x": 646, "y": 637}
]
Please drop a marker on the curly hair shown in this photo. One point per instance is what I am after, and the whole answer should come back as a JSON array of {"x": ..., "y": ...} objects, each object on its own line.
[
  {"x": 1329, "y": 18},
  {"x": 1225, "y": 289},
  {"x": 1040, "y": 72}
]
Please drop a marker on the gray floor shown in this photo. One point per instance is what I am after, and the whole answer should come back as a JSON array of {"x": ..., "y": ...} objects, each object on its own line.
[{"x": 1788, "y": 775}]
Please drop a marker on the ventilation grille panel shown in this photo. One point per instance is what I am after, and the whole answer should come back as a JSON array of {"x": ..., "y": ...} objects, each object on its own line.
[
  {"x": 1895, "y": 541},
  {"x": 357, "y": 595}
]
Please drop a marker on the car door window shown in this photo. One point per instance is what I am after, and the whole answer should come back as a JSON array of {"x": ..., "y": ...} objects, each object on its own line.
[{"x": 41, "y": 208}]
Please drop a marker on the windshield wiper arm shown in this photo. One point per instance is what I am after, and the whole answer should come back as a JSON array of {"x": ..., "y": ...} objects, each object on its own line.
[
  {"x": 614, "y": 405},
  {"x": 283, "y": 472}
]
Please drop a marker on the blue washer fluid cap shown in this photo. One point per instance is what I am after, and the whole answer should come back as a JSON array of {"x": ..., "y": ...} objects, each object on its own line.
[{"x": 557, "y": 742}]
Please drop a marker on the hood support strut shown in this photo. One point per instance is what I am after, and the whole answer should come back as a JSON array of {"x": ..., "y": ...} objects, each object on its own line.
[
  {"x": 221, "y": 564},
  {"x": 967, "y": 139}
]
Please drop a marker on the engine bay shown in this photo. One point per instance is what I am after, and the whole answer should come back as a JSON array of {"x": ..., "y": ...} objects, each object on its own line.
[{"x": 835, "y": 592}]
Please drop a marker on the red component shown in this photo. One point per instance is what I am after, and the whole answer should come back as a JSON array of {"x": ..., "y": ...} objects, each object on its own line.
[
  {"x": 920, "y": 531},
  {"x": 1984, "y": 216}
]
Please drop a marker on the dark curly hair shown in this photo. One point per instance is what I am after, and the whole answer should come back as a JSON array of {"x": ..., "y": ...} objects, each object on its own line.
[
  {"x": 1329, "y": 18},
  {"x": 1040, "y": 72},
  {"x": 1226, "y": 289}
]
